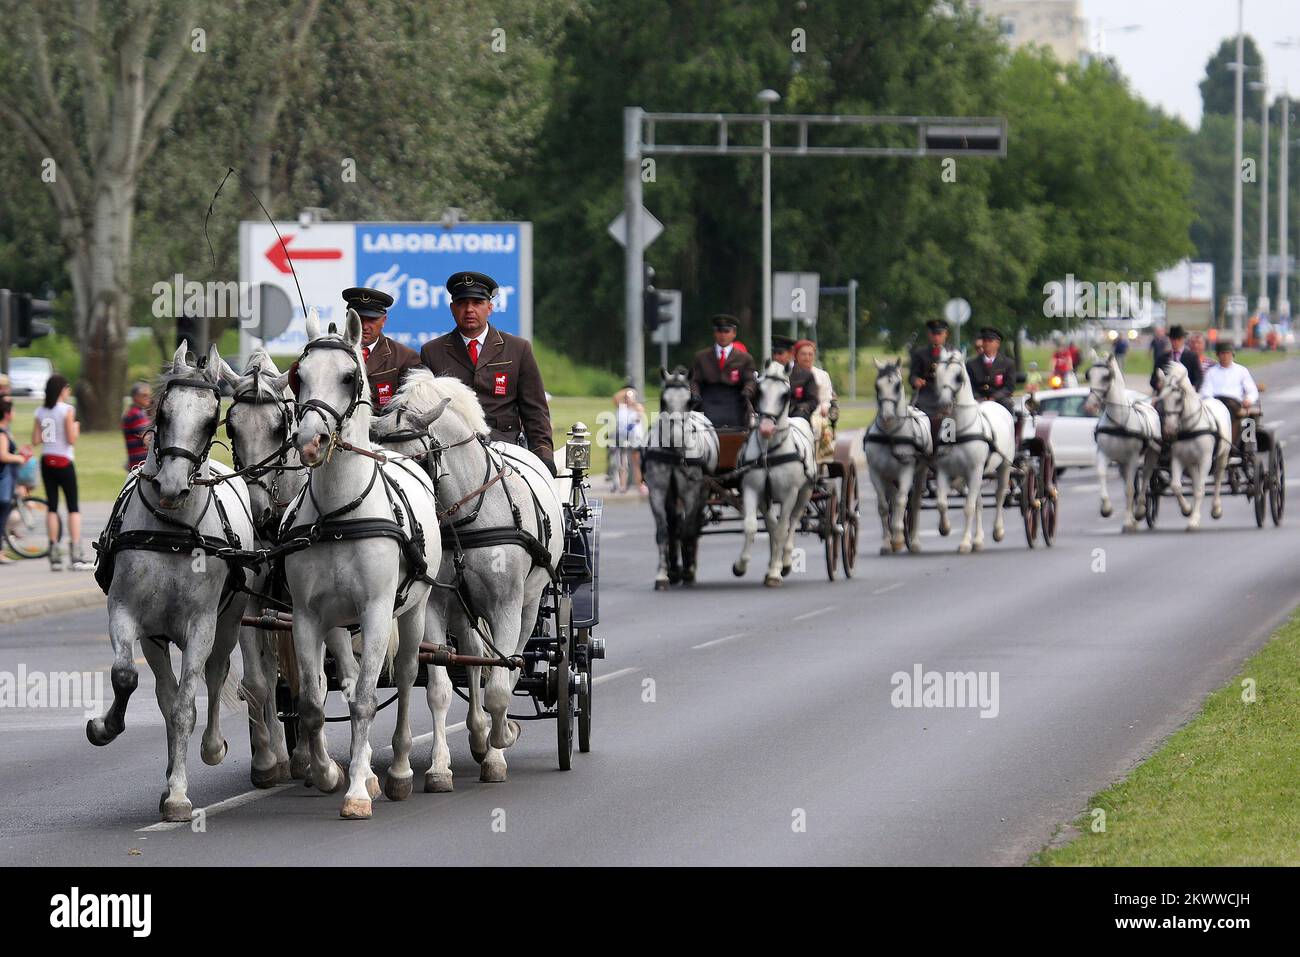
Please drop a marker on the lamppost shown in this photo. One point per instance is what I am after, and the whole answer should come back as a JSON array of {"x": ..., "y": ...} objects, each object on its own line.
[
  {"x": 1262, "y": 306},
  {"x": 767, "y": 98}
]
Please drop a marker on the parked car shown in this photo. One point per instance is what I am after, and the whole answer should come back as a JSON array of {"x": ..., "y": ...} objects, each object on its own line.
[
  {"x": 1073, "y": 445},
  {"x": 28, "y": 375}
]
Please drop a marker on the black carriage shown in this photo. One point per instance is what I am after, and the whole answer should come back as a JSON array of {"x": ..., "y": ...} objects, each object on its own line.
[
  {"x": 1032, "y": 490},
  {"x": 1256, "y": 469},
  {"x": 831, "y": 514},
  {"x": 556, "y": 665}
]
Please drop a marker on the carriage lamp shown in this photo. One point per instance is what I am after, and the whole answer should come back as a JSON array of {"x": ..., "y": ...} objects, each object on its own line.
[{"x": 578, "y": 449}]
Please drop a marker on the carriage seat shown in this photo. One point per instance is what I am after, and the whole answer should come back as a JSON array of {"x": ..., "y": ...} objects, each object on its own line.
[
  {"x": 730, "y": 442},
  {"x": 1238, "y": 412}
]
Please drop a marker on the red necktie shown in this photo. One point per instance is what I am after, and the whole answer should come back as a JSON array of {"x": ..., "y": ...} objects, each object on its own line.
[
  {"x": 473, "y": 351},
  {"x": 365, "y": 353},
  {"x": 722, "y": 359}
]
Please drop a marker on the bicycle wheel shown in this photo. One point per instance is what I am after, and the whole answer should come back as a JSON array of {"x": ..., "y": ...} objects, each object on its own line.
[{"x": 26, "y": 533}]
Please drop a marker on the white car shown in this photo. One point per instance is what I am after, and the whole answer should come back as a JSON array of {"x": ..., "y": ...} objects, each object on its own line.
[
  {"x": 1073, "y": 445},
  {"x": 28, "y": 375}
]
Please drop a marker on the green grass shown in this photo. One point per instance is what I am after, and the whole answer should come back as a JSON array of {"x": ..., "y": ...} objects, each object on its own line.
[{"x": 1222, "y": 791}]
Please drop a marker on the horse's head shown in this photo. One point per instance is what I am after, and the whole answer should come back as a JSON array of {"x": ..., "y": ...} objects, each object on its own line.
[
  {"x": 331, "y": 387},
  {"x": 1100, "y": 377},
  {"x": 889, "y": 392},
  {"x": 950, "y": 380},
  {"x": 772, "y": 404},
  {"x": 1174, "y": 396},
  {"x": 258, "y": 424},
  {"x": 416, "y": 416},
  {"x": 675, "y": 393},
  {"x": 186, "y": 411}
]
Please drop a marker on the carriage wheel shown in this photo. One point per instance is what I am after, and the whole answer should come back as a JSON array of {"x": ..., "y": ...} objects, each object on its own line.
[
  {"x": 584, "y": 696},
  {"x": 1259, "y": 488},
  {"x": 1048, "y": 492},
  {"x": 564, "y": 701},
  {"x": 1277, "y": 482},
  {"x": 830, "y": 532},
  {"x": 1028, "y": 511},
  {"x": 1154, "y": 486},
  {"x": 849, "y": 521}
]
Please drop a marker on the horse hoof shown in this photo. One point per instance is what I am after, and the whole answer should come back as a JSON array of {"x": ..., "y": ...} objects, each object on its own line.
[
  {"x": 398, "y": 789},
  {"x": 688, "y": 581},
  {"x": 963, "y": 549},
  {"x": 477, "y": 755},
  {"x": 492, "y": 772},
  {"x": 999, "y": 534},
  {"x": 785, "y": 570},
  {"x": 372, "y": 787},
  {"x": 674, "y": 578},
  {"x": 1186, "y": 510},
  {"x": 914, "y": 547},
  {"x": 438, "y": 782},
  {"x": 886, "y": 550},
  {"x": 340, "y": 780},
  {"x": 897, "y": 545},
  {"x": 212, "y": 759},
  {"x": 772, "y": 581},
  {"x": 1217, "y": 512},
  {"x": 175, "y": 809},
  {"x": 1129, "y": 529},
  {"x": 269, "y": 778},
  {"x": 1193, "y": 528},
  {"x": 977, "y": 546},
  {"x": 98, "y": 733},
  {"x": 944, "y": 528},
  {"x": 1107, "y": 510},
  {"x": 355, "y": 809},
  {"x": 738, "y": 570},
  {"x": 300, "y": 767},
  {"x": 661, "y": 584}
]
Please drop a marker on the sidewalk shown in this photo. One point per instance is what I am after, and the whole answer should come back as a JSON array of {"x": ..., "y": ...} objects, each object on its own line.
[{"x": 29, "y": 589}]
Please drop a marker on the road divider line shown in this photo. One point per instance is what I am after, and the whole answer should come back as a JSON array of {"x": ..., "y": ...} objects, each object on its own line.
[
  {"x": 717, "y": 641},
  {"x": 881, "y": 591},
  {"x": 813, "y": 614},
  {"x": 239, "y": 800},
  {"x": 614, "y": 674}
]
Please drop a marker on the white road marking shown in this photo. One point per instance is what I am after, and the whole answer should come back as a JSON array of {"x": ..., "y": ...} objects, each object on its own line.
[
  {"x": 813, "y": 614},
  {"x": 881, "y": 591},
  {"x": 614, "y": 674},
  {"x": 239, "y": 800},
  {"x": 717, "y": 641}
]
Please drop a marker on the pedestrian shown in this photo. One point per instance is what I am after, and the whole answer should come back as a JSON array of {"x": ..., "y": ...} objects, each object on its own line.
[
  {"x": 1197, "y": 344},
  {"x": 56, "y": 431},
  {"x": 11, "y": 457},
  {"x": 624, "y": 453},
  {"x": 137, "y": 425},
  {"x": 826, "y": 413},
  {"x": 5, "y": 388}
]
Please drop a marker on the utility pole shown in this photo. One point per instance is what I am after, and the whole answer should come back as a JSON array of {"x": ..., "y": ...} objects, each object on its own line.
[
  {"x": 1262, "y": 307},
  {"x": 767, "y": 98},
  {"x": 634, "y": 349},
  {"x": 1283, "y": 197},
  {"x": 1240, "y": 69}
]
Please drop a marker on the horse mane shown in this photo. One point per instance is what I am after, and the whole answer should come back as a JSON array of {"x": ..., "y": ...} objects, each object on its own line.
[
  {"x": 775, "y": 370},
  {"x": 421, "y": 391},
  {"x": 262, "y": 368}
]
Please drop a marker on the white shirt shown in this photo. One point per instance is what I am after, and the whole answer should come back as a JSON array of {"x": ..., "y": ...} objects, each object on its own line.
[
  {"x": 721, "y": 352},
  {"x": 53, "y": 424},
  {"x": 481, "y": 338},
  {"x": 1234, "y": 381}
]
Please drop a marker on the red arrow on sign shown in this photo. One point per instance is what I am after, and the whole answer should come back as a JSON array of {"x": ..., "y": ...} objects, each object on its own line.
[{"x": 279, "y": 254}]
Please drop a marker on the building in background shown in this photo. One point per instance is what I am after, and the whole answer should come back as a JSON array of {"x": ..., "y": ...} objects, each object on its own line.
[
  {"x": 1188, "y": 289},
  {"x": 1057, "y": 24}
]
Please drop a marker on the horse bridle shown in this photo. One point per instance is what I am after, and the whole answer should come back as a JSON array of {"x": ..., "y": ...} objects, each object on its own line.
[
  {"x": 323, "y": 408},
  {"x": 274, "y": 463},
  {"x": 177, "y": 451},
  {"x": 782, "y": 409}
]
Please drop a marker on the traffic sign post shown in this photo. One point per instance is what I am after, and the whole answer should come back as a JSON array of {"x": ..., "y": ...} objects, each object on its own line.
[
  {"x": 668, "y": 332},
  {"x": 957, "y": 311},
  {"x": 795, "y": 297}
]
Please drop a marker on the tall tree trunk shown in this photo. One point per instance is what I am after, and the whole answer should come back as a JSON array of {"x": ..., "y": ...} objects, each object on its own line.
[{"x": 104, "y": 313}]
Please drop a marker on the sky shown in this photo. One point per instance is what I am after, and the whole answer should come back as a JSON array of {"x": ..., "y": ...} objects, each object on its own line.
[{"x": 1165, "y": 59}]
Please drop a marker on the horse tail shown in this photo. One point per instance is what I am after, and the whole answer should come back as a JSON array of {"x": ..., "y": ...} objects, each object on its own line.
[{"x": 390, "y": 655}]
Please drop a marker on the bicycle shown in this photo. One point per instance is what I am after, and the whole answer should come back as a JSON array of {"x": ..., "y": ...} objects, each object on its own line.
[{"x": 26, "y": 534}]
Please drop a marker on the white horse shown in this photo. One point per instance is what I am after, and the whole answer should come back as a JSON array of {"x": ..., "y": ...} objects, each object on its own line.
[
  {"x": 680, "y": 450},
  {"x": 898, "y": 447},
  {"x": 780, "y": 458},
  {"x": 976, "y": 441},
  {"x": 1199, "y": 435},
  {"x": 372, "y": 520},
  {"x": 165, "y": 583},
  {"x": 1127, "y": 434},
  {"x": 484, "y": 488},
  {"x": 259, "y": 425}
]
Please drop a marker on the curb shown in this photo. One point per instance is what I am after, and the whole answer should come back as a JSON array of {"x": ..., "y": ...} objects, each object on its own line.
[{"x": 20, "y": 609}]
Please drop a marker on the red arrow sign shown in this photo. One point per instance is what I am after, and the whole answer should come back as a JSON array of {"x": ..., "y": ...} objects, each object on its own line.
[{"x": 279, "y": 254}]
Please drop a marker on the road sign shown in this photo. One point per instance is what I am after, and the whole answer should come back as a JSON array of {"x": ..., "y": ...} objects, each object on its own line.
[
  {"x": 795, "y": 294},
  {"x": 409, "y": 261},
  {"x": 670, "y": 333},
  {"x": 957, "y": 311},
  {"x": 274, "y": 312},
  {"x": 1236, "y": 306},
  {"x": 651, "y": 228}
]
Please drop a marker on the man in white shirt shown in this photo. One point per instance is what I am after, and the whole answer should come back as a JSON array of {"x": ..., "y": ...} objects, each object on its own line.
[{"x": 1230, "y": 379}]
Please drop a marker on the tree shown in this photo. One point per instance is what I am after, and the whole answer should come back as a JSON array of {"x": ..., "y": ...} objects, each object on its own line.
[
  {"x": 1218, "y": 88},
  {"x": 91, "y": 91}
]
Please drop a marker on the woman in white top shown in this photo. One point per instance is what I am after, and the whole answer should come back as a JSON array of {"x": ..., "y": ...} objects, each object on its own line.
[
  {"x": 56, "y": 430},
  {"x": 805, "y": 354}
]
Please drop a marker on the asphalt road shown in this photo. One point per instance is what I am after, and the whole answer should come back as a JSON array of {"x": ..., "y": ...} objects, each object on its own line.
[{"x": 728, "y": 715}]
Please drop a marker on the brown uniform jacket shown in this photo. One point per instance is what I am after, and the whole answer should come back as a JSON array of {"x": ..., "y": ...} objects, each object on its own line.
[
  {"x": 726, "y": 395},
  {"x": 506, "y": 380},
  {"x": 386, "y": 367}
]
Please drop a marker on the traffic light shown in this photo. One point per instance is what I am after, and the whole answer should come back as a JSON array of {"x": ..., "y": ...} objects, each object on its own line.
[
  {"x": 26, "y": 328},
  {"x": 656, "y": 308}
]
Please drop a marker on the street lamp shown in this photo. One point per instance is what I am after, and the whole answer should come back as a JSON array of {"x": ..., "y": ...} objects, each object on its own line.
[
  {"x": 1263, "y": 304},
  {"x": 1238, "y": 67},
  {"x": 767, "y": 98}
]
